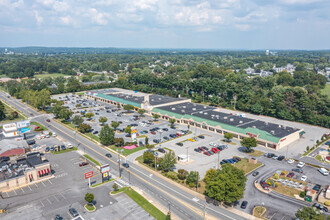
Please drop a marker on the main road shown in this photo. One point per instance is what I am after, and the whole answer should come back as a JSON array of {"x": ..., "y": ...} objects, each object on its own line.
[{"x": 180, "y": 202}]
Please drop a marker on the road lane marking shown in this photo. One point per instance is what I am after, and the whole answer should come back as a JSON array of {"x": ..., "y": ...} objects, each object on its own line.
[
  {"x": 7, "y": 194},
  {"x": 49, "y": 201}
]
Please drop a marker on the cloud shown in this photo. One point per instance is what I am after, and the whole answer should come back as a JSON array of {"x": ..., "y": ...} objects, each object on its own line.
[
  {"x": 97, "y": 17},
  {"x": 39, "y": 19}
]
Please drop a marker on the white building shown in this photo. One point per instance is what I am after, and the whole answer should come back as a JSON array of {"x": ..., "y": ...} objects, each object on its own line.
[{"x": 15, "y": 129}]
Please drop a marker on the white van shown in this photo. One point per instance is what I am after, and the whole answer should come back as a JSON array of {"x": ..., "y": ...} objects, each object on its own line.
[{"x": 323, "y": 171}]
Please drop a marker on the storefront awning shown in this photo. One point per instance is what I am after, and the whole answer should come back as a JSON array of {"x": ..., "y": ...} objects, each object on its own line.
[{"x": 48, "y": 171}]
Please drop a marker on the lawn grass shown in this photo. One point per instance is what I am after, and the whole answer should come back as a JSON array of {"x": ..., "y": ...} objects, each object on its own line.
[
  {"x": 258, "y": 211},
  {"x": 145, "y": 204},
  {"x": 246, "y": 166},
  {"x": 92, "y": 159},
  {"x": 8, "y": 110},
  {"x": 142, "y": 136},
  {"x": 326, "y": 90},
  {"x": 92, "y": 136},
  {"x": 90, "y": 208},
  {"x": 228, "y": 142},
  {"x": 103, "y": 183},
  {"x": 80, "y": 93},
  {"x": 118, "y": 191},
  {"x": 39, "y": 125},
  {"x": 256, "y": 153},
  {"x": 42, "y": 76},
  {"x": 64, "y": 151},
  {"x": 125, "y": 151},
  {"x": 285, "y": 190}
]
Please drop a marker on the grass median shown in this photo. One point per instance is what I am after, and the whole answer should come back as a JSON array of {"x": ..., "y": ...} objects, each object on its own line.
[
  {"x": 126, "y": 151},
  {"x": 143, "y": 203},
  {"x": 64, "y": 151},
  {"x": 246, "y": 166},
  {"x": 42, "y": 128},
  {"x": 99, "y": 184},
  {"x": 92, "y": 159}
]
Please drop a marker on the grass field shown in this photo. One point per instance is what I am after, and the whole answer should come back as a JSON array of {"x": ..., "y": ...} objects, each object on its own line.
[
  {"x": 9, "y": 110},
  {"x": 258, "y": 211},
  {"x": 256, "y": 153},
  {"x": 326, "y": 90},
  {"x": 246, "y": 166},
  {"x": 41, "y": 76}
]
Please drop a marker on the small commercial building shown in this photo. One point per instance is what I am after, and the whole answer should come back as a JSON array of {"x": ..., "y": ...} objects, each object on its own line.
[
  {"x": 15, "y": 129},
  {"x": 24, "y": 171}
]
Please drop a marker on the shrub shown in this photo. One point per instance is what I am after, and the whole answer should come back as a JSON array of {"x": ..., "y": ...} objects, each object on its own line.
[
  {"x": 172, "y": 176},
  {"x": 191, "y": 185},
  {"x": 327, "y": 203},
  {"x": 307, "y": 148},
  {"x": 302, "y": 194},
  {"x": 276, "y": 184},
  {"x": 50, "y": 133},
  {"x": 282, "y": 172},
  {"x": 275, "y": 176},
  {"x": 182, "y": 174}
]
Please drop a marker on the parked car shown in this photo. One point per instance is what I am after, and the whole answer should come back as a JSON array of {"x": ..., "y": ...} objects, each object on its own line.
[
  {"x": 300, "y": 164},
  {"x": 161, "y": 150},
  {"x": 264, "y": 185},
  {"x": 48, "y": 120},
  {"x": 207, "y": 153},
  {"x": 126, "y": 165},
  {"x": 152, "y": 132},
  {"x": 255, "y": 173},
  {"x": 179, "y": 144},
  {"x": 47, "y": 149},
  {"x": 197, "y": 150},
  {"x": 290, "y": 161},
  {"x": 63, "y": 147},
  {"x": 172, "y": 135},
  {"x": 69, "y": 145},
  {"x": 204, "y": 148},
  {"x": 201, "y": 136},
  {"x": 320, "y": 207},
  {"x": 270, "y": 155},
  {"x": 317, "y": 187},
  {"x": 83, "y": 164},
  {"x": 244, "y": 204},
  {"x": 280, "y": 158},
  {"x": 166, "y": 138},
  {"x": 275, "y": 157},
  {"x": 30, "y": 142},
  {"x": 303, "y": 178},
  {"x": 155, "y": 141},
  {"x": 323, "y": 171},
  {"x": 290, "y": 175},
  {"x": 298, "y": 170},
  {"x": 108, "y": 155},
  {"x": 165, "y": 129},
  {"x": 237, "y": 158},
  {"x": 73, "y": 212},
  {"x": 95, "y": 132},
  {"x": 58, "y": 217}
]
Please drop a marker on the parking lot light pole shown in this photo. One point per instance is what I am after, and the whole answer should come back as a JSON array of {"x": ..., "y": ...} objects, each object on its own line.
[
  {"x": 155, "y": 163},
  {"x": 218, "y": 159},
  {"x": 119, "y": 162},
  {"x": 187, "y": 154}
]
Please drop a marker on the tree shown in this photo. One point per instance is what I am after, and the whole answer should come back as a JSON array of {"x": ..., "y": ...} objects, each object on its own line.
[
  {"x": 128, "y": 129},
  {"x": 155, "y": 116},
  {"x": 227, "y": 185},
  {"x": 172, "y": 121},
  {"x": 83, "y": 128},
  {"x": 119, "y": 142},
  {"x": 309, "y": 213},
  {"x": 169, "y": 161},
  {"x": 249, "y": 142},
  {"x": 229, "y": 136},
  {"x": 103, "y": 120},
  {"x": 115, "y": 187},
  {"x": 107, "y": 135},
  {"x": 115, "y": 124},
  {"x": 209, "y": 175},
  {"x": 128, "y": 107},
  {"x": 193, "y": 178},
  {"x": 141, "y": 111},
  {"x": 182, "y": 174},
  {"x": 14, "y": 114},
  {"x": 65, "y": 113},
  {"x": 89, "y": 197},
  {"x": 77, "y": 120},
  {"x": 2, "y": 111},
  {"x": 89, "y": 115},
  {"x": 148, "y": 157},
  {"x": 146, "y": 141}
]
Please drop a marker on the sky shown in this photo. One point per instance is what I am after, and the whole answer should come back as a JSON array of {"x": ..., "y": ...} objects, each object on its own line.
[{"x": 208, "y": 24}]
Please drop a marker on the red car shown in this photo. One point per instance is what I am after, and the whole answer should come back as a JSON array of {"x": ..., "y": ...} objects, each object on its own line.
[
  {"x": 328, "y": 157},
  {"x": 201, "y": 149},
  {"x": 153, "y": 132},
  {"x": 207, "y": 153},
  {"x": 215, "y": 150},
  {"x": 137, "y": 135},
  {"x": 178, "y": 134},
  {"x": 290, "y": 175},
  {"x": 48, "y": 120},
  {"x": 83, "y": 164}
]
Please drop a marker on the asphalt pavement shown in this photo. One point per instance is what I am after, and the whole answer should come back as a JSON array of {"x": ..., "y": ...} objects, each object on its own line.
[{"x": 181, "y": 202}]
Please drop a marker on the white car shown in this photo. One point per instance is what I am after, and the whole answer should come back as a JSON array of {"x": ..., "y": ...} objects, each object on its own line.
[
  {"x": 301, "y": 164},
  {"x": 323, "y": 171},
  {"x": 54, "y": 134},
  {"x": 303, "y": 178},
  {"x": 290, "y": 161},
  {"x": 69, "y": 145}
]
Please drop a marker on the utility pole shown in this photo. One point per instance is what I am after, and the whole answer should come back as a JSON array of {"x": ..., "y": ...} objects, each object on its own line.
[
  {"x": 119, "y": 162},
  {"x": 187, "y": 154},
  {"x": 204, "y": 211},
  {"x": 218, "y": 159},
  {"x": 155, "y": 164}
]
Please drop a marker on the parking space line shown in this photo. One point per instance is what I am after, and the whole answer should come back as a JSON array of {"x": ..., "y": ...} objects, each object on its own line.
[
  {"x": 49, "y": 201},
  {"x": 62, "y": 196},
  {"x": 56, "y": 198},
  {"x": 50, "y": 182},
  {"x": 30, "y": 188},
  {"x": 15, "y": 192},
  {"x": 43, "y": 184},
  {"x": 22, "y": 190},
  {"x": 7, "y": 194},
  {"x": 36, "y": 185},
  {"x": 42, "y": 204}
]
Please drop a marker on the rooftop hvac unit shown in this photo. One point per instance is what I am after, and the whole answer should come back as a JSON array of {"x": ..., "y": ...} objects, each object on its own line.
[
  {"x": 231, "y": 119},
  {"x": 279, "y": 126},
  {"x": 184, "y": 106},
  {"x": 241, "y": 122},
  {"x": 200, "y": 112},
  {"x": 212, "y": 115},
  {"x": 152, "y": 99},
  {"x": 204, "y": 106},
  {"x": 253, "y": 126},
  {"x": 217, "y": 116},
  {"x": 205, "y": 113},
  {"x": 182, "y": 110},
  {"x": 272, "y": 132},
  {"x": 173, "y": 108},
  {"x": 194, "y": 109},
  {"x": 225, "y": 117},
  {"x": 159, "y": 98}
]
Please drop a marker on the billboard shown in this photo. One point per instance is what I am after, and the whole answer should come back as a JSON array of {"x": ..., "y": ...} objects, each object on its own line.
[
  {"x": 105, "y": 168},
  {"x": 24, "y": 130}
]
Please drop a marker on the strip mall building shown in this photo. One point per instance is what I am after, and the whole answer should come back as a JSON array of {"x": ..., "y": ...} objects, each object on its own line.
[{"x": 275, "y": 136}]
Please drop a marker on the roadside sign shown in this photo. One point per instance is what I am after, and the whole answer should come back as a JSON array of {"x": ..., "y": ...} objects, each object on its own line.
[
  {"x": 122, "y": 150},
  {"x": 88, "y": 174},
  {"x": 105, "y": 168}
]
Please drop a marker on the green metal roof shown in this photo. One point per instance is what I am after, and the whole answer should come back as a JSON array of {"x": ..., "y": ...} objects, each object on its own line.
[
  {"x": 164, "y": 112},
  {"x": 116, "y": 99}
]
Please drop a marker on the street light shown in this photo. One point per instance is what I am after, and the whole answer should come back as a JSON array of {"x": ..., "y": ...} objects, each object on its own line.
[{"x": 187, "y": 154}]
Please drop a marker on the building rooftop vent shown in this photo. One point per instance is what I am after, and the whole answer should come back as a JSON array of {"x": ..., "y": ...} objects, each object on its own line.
[
  {"x": 173, "y": 108},
  {"x": 279, "y": 126},
  {"x": 152, "y": 99},
  {"x": 231, "y": 119},
  {"x": 253, "y": 126},
  {"x": 159, "y": 98},
  {"x": 212, "y": 115},
  {"x": 182, "y": 110},
  {"x": 205, "y": 113},
  {"x": 194, "y": 109},
  {"x": 225, "y": 117},
  {"x": 184, "y": 106},
  {"x": 272, "y": 132},
  {"x": 204, "y": 107},
  {"x": 241, "y": 122}
]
